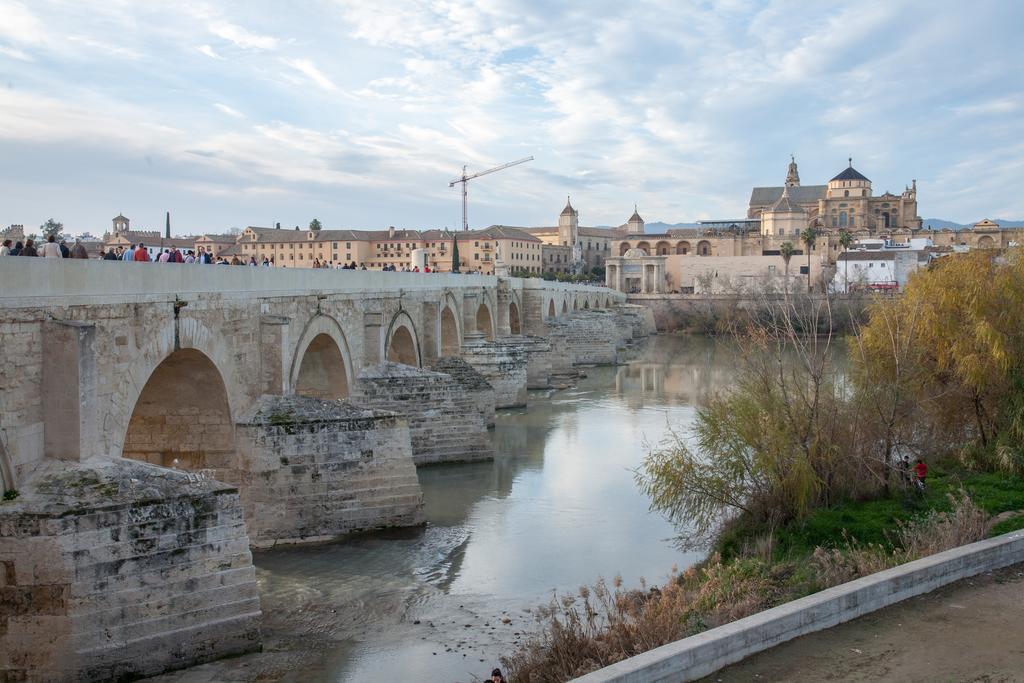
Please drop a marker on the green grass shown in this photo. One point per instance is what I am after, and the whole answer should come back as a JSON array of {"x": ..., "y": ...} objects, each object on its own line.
[{"x": 869, "y": 521}]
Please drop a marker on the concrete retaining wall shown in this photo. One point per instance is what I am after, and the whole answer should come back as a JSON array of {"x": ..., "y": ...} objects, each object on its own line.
[{"x": 697, "y": 656}]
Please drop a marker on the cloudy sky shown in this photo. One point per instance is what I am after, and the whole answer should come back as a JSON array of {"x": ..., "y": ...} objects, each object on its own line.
[{"x": 359, "y": 112}]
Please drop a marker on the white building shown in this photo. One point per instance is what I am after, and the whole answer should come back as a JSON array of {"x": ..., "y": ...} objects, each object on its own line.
[{"x": 880, "y": 264}]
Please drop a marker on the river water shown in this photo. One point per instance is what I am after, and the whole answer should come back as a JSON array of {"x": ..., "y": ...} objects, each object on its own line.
[{"x": 556, "y": 509}]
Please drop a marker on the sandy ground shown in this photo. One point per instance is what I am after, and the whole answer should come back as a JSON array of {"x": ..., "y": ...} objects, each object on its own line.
[{"x": 972, "y": 630}]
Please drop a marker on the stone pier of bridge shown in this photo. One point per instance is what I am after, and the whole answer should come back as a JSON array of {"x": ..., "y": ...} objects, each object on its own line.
[{"x": 157, "y": 421}]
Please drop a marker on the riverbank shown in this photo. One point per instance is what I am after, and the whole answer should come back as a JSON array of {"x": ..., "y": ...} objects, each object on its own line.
[{"x": 751, "y": 570}]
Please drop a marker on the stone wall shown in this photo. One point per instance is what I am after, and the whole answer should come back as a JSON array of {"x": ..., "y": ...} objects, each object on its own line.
[
  {"x": 118, "y": 569},
  {"x": 313, "y": 470},
  {"x": 538, "y": 360},
  {"x": 585, "y": 338},
  {"x": 445, "y": 424},
  {"x": 472, "y": 382},
  {"x": 503, "y": 364}
]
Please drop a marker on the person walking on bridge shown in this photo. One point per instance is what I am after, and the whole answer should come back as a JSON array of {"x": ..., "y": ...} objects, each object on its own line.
[
  {"x": 79, "y": 250},
  {"x": 141, "y": 254},
  {"x": 51, "y": 249}
]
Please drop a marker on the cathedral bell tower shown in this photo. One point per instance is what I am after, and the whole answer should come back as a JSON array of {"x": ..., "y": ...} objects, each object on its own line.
[
  {"x": 120, "y": 225},
  {"x": 792, "y": 175}
]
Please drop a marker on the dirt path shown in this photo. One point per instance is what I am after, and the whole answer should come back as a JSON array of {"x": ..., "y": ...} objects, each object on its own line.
[{"x": 972, "y": 630}]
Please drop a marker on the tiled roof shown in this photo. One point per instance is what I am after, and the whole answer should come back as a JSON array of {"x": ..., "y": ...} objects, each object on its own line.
[
  {"x": 805, "y": 194},
  {"x": 784, "y": 205},
  {"x": 850, "y": 173}
]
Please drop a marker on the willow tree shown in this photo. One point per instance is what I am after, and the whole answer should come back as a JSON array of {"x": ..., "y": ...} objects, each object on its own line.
[{"x": 966, "y": 359}]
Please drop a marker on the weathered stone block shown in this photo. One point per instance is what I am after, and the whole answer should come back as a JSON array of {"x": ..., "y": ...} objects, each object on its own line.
[
  {"x": 473, "y": 383},
  {"x": 304, "y": 461},
  {"x": 503, "y": 364},
  {"x": 92, "y": 591},
  {"x": 445, "y": 425}
]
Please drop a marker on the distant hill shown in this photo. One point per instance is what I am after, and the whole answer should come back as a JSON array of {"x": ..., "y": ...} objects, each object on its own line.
[{"x": 940, "y": 223}]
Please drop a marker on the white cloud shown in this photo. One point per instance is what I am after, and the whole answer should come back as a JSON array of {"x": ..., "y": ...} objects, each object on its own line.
[
  {"x": 241, "y": 37},
  {"x": 20, "y": 25},
  {"x": 15, "y": 53},
  {"x": 680, "y": 107},
  {"x": 209, "y": 52},
  {"x": 309, "y": 69},
  {"x": 228, "y": 110}
]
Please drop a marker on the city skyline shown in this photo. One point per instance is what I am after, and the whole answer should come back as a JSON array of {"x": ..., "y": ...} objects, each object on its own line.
[{"x": 238, "y": 114}]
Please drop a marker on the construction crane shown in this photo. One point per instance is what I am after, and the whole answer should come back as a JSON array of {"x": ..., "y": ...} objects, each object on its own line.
[{"x": 464, "y": 179}]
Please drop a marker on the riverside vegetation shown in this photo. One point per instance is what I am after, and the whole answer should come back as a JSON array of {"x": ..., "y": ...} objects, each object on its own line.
[{"x": 795, "y": 477}]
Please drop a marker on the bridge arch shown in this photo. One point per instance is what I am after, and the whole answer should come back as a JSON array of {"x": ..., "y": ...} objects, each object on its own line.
[
  {"x": 182, "y": 417},
  {"x": 322, "y": 364},
  {"x": 401, "y": 343},
  {"x": 192, "y": 335},
  {"x": 485, "y": 321},
  {"x": 451, "y": 329},
  {"x": 551, "y": 309},
  {"x": 515, "y": 325},
  {"x": 565, "y": 306}
]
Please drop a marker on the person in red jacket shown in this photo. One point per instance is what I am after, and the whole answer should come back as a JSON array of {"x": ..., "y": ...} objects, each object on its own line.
[
  {"x": 921, "y": 470},
  {"x": 141, "y": 254}
]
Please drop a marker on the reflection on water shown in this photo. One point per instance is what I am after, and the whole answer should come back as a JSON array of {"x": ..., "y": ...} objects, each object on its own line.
[{"x": 556, "y": 509}]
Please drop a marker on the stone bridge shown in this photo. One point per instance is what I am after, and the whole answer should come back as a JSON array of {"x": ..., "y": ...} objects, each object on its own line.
[{"x": 157, "y": 420}]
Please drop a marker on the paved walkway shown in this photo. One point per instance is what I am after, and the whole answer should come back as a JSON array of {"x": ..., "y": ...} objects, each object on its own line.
[{"x": 972, "y": 630}]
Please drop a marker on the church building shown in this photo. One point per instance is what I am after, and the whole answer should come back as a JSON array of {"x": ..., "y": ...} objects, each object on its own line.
[{"x": 845, "y": 203}]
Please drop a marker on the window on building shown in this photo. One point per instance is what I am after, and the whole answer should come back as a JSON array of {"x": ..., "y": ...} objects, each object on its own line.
[
  {"x": 846, "y": 193},
  {"x": 476, "y": 257}
]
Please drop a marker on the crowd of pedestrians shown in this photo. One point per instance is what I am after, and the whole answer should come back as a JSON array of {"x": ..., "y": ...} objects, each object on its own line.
[
  {"x": 51, "y": 248},
  {"x": 54, "y": 247}
]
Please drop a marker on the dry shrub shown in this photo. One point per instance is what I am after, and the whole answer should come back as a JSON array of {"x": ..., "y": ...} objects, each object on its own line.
[
  {"x": 602, "y": 625},
  {"x": 932, "y": 533}
]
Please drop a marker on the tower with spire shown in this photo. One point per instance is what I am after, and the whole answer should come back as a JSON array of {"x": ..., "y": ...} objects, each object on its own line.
[
  {"x": 792, "y": 175},
  {"x": 635, "y": 224},
  {"x": 568, "y": 224}
]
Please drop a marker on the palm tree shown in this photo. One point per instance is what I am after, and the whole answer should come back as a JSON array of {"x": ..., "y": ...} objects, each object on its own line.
[
  {"x": 786, "y": 250},
  {"x": 846, "y": 239},
  {"x": 809, "y": 237}
]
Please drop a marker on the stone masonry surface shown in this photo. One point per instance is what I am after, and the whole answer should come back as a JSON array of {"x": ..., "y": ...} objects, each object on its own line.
[
  {"x": 116, "y": 569},
  {"x": 445, "y": 424},
  {"x": 316, "y": 470}
]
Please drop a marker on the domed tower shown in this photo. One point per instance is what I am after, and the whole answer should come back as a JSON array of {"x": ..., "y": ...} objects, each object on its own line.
[
  {"x": 792, "y": 175},
  {"x": 568, "y": 222},
  {"x": 849, "y": 183},
  {"x": 120, "y": 225},
  {"x": 635, "y": 224},
  {"x": 847, "y": 201}
]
